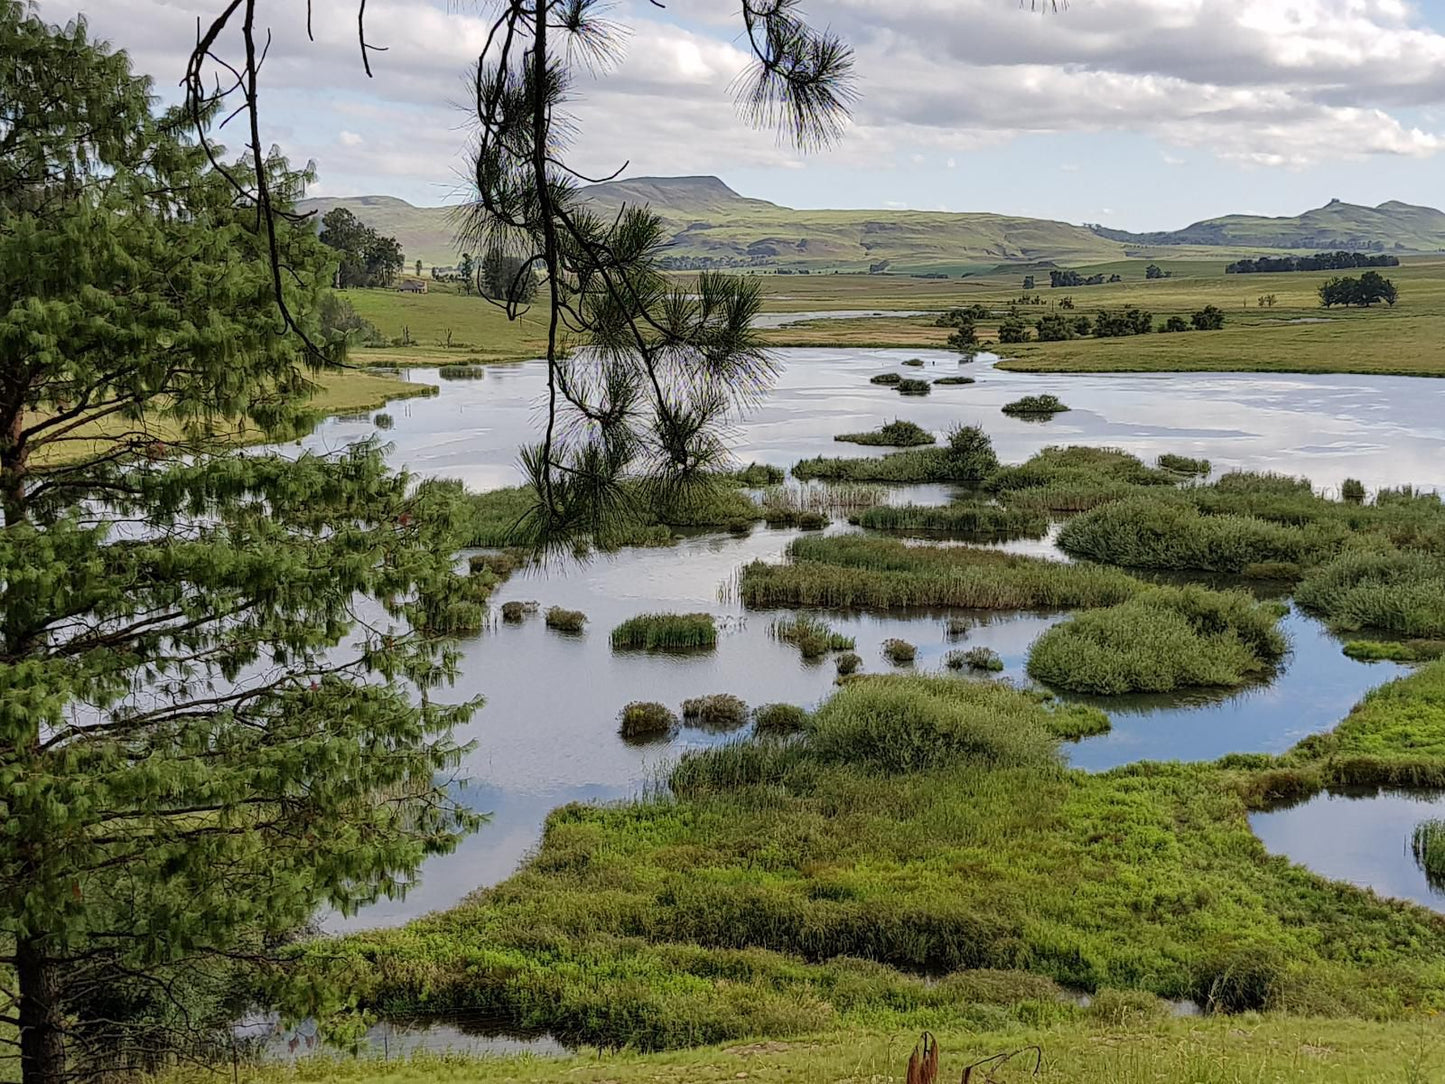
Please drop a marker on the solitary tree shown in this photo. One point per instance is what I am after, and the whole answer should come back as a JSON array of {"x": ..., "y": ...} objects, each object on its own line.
[{"x": 191, "y": 763}]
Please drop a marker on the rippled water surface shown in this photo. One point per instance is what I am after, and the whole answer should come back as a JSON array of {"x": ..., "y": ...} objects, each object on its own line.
[{"x": 548, "y": 734}]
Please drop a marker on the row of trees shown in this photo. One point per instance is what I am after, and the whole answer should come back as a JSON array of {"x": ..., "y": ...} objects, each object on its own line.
[
  {"x": 1320, "y": 261},
  {"x": 1056, "y": 327},
  {"x": 1369, "y": 289},
  {"x": 365, "y": 257},
  {"x": 1059, "y": 279}
]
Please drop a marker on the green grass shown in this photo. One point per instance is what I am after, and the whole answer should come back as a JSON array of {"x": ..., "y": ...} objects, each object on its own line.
[
  {"x": 913, "y": 387},
  {"x": 953, "y": 381},
  {"x": 779, "y": 718},
  {"x": 1427, "y": 844},
  {"x": 1183, "y": 464},
  {"x": 564, "y": 620},
  {"x": 895, "y": 434},
  {"x": 1395, "y": 650},
  {"x": 462, "y": 372},
  {"x": 666, "y": 632},
  {"x": 478, "y": 331},
  {"x": 850, "y": 572},
  {"x": 1035, "y": 404},
  {"x": 1162, "y": 640},
  {"x": 642, "y": 720},
  {"x": 969, "y": 519},
  {"x": 899, "y": 468},
  {"x": 849, "y": 663},
  {"x": 813, "y": 638},
  {"x": 984, "y": 659},
  {"x": 1399, "y": 593},
  {"x": 916, "y": 827},
  {"x": 718, "y": 711},
  {"x": 899, "y": 652}
]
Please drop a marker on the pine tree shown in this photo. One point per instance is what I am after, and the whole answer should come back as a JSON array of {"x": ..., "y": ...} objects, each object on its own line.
[{"x": 216, "y": 670}]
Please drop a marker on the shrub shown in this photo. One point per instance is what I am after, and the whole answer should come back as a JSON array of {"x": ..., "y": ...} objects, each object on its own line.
[
  {"x": 720, "y": 711},
  {"x": 757, "y": 475},
  {"x": 666, "y": 632},
  {"x": 813, "y": 638},
  {"x": 1174, "y": 325},
  {"x": 896, "y": 434},
  {"x": 738, "y": 526},
  {"x": 565, "y": 620},
  {"x": 1183, "y": 464},
  {"x": 462, "y": 372},
  {"x": 913, "y": 387},
  {"x": 383, "y": 421},
  {"x": 899, "y": 652},
  {"x": 517, "y": 611},
  {"x": 779, "y": 718},
  {"x": 916, "y": 363},
  {"x": 1126, "y": 1008},
  {"x": 975, "y": 658},
  {"x": 645, "y": 719},
  {"x": 903, "y": 468},
  {"x": 955, "y": 381},
  {"x": 970, "y": 455},
  {"x": 1209, "y": 318},
  {"x": 1165, "y": 639},
  {"x": 849, "y": 663},
  {"x": 1074, "y": 722},
  {"x": 1035, "y": 404},
  {"x": 1400, "y": 593},
  {"x": 1012, "y": 329},
  {"x": 1353, "y": 491},
  {"x": 500, "y": 565},
  {"x": 889, "y": 379}
]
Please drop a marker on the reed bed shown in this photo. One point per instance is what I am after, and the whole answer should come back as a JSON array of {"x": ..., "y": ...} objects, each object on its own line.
[
  {"x": 895, "y": 434},
  {"x": 383, "y": 421},
  {"x": 812, "y": 637},
  {"x": 963, "y": 518},
  {"x": 516, "y": 612},
  {"x": 666, "y": 632},
  {"x": 1163, "y": 640},
  {"x": 757, "y": 475},
  {"x": 901, "y": 468},
  {"x": 852, "y": 572},
  {"x": 564, "y": 620},
  {"x": 850, "y": 662},
  {"x": 1183, "y": 464},
  {"x": 1408, "y": 651},
  {"x": 954, "y": 381},
  {"x": 831, "y": 499},
  {"x": 461, "y": 372},
  {"x": 1399, "y": 593}
]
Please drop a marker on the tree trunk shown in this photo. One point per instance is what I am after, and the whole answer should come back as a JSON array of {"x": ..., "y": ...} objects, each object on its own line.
[{"x": 42, "y": 1035}]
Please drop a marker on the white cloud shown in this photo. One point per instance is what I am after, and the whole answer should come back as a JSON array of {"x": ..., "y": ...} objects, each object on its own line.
[{"x": 350, "y": 139}]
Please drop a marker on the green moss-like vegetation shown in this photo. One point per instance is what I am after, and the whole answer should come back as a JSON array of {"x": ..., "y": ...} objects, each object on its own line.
[
  {"x": 969, "y": 519},
  {"x": 915, "y": 825},
  {"x": 850, "y": 571},
  {"x": 1035, "y": 405},
  {"x": 813, "y": 638},
  {"x": 899, "y": 652},
  {"x": 1162, "y": 640},
  {"x": 719, "y": 711},
  {"x": 644, "y": 720},
  {"x": 895, "y": 434},
  {"x": 1398, "y": 593},
  {"x": 564, "y": 620},
  {"x": 1395, "y": 650},
  {"x": 780, "y": 718},
  {"x": 913, "y": 387},
  {"x": 1183, "y": 464},
  {"x": 666, "y": 632}
]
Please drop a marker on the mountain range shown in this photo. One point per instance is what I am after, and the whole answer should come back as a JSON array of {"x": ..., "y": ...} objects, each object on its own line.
[{"x": 711, "y": 225}]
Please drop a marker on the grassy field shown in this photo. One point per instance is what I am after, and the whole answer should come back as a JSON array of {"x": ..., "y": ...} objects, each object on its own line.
[
  {"x": 445, "y": 328},
  {"x": 1268, "y": 1050},
  {"x": 1293, "y": 335}
]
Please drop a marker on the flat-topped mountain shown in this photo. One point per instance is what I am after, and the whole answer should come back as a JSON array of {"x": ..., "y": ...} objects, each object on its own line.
[{"x": 712, "y": 225}]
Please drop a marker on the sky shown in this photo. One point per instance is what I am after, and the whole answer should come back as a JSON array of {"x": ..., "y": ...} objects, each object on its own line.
[{"x": 1139, "y": 114}]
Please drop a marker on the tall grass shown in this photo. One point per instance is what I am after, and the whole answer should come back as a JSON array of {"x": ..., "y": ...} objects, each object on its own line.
[
  {"x": 812, "y": 637},
  {"x": 963, "y": 518},
  {"x": 1162, "y": 640},
  {"x": 899, "y": 652},
  {"x": 1183, "y": 464},
  {"x": 1399, "y": 593},
  {"x": 1395, "y": 650},
  {"x": 564, "y": 620},
  {"x": 1427, "y": 843},
  {"x": 646, "y": 720},
  {"x": 900, "y": 468},
  {"x": 666, "y": 632},
  {"x": 856, "y": 572}
]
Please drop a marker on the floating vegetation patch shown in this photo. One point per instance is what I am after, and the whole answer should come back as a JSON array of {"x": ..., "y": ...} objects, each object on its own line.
[
  {"x": 813, "y": 637},
  {"x": 954, "y": 381},
  {"x": 1035, "y": 405},
  {"x": 913, "y": 387},
  {"x": 1162, "y": 640},
  {"x": 899, "y": 652},
  {"x": 720, "y": 711},
  {"x": 887, "y": 379},
  {"x": 956, "y": 628},
  {"x": 645, "y": 720},
  {"x": 1183, "y": 464},
  {"x": 896, "y": 434},
  {"x": 564, "y": 620},
  {"x": 516, "y": 611},
  {"x": 666, "y": 632}
]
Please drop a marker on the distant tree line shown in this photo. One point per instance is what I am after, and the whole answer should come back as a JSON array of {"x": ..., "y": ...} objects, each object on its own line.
[
  {"x": 1369, "y": 288},
  {"x": 1073, "y": 278},
  {"x": 368, "y": 258},
  {"x": 1320, "y": 261},
  {"x": 1058, "y": 327}
]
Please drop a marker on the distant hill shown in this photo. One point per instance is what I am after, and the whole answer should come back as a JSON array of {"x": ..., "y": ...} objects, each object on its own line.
[
  {"x": 710, "y": 224},
  {"x": 1390, "y": 227}
]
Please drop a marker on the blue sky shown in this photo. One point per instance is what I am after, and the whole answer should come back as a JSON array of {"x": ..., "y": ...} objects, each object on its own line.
[{"x": 1143, "y": 114}]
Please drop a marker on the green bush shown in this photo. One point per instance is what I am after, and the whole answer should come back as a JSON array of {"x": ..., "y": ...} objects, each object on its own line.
[
  {"x": 1035, "y": 404},
  {"x": 916, "y": 363},
  {"x": 758, "y": 475},
  {"x": 564, "y": 620},
  {"x": 1400, "y": 593},
  {"x": 954, "y": 381},
  {"x": 913, "y": 387},
  {"x": 462, "y": 372},
  {"x": 896, "y": 434},
  {"x": 780, "y": 718},
  {"x": 719, "y": 711},
  {"x": 970, "y": 455},
  {"x": 1427, "y": 844},
  {"x": 645, "y": 719},
  {"x": 1352, "y": 490},
  {"x": 1162, "y": 640},
  {"x": 849, "y": 663},
  {"x": 975, "y": 658},
  {"x": 383, "y": 421},
  {"x": 901, "y": 468},
  {"x": 889, "y": 379},
  {"x": 899, "y": 652},
  {"x": 517, "y": 611},
  {"x": 666, "y": 632}
]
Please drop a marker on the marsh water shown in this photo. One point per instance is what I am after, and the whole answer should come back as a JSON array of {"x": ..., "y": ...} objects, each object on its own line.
[{"x": 548, "y": 733}]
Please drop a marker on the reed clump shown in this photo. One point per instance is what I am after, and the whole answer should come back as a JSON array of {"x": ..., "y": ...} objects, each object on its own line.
[
  {"x": 954, "y": 381},
  {"x": 564, "y": 620},
  {"x": 886, "y": 379},
  {"x": 984, "y": 659},
  {"x": 461, "y": 372},
  {"x": 812, "y": 637},
  {"x": 1427, "y": 844},
  {"x": 758, "y": 475},
  {"x": 383, "y": 421},
  {"x": 645, "y": 719},
  {"x": 1035, "y": 404},
  {"x": 895, "y": 434},
  {"x": 913, "y": 387},
  {"x": 500, "y": 565},
  {"x": 899, "y": 652},
  {"x": 965, "y": 518},
  {"x": 849, "y": 663},
  {"x": 1162, "y": 640},
  {"x": 1399, "y": 593},
  {"x": 1183, "y": 464},
  {"x": 719, "y": 711},
  {"x": 779, "y": 718},
  {"x": 518, "y": 611},
  {"x": 666, "y": 632}
]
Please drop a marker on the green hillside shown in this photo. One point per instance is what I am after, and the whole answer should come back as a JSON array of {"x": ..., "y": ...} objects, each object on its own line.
[
  {"x": 1393, "y": 226},
  {"x": 711, "y": 225}
]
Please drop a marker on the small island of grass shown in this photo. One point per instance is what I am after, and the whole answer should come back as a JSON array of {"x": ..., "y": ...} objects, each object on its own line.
[
  {"x": 896, "y": 434},
  {"x": 1035, "y": 406}
]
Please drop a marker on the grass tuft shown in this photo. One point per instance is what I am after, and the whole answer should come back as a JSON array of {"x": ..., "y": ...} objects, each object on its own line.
[
  {"x": 1035, "y": 404},
  {"x": 895, "y": 434},
  {"x": 565, "y": 620},
  {"x": 719, "y": 711},
  {"x": 814, "y": 638},
  {"x": 779, "y": 718},
  {"x": 646, "y": 720},
  {"x": 899, "y": 652},
  {"x": 666, "y": 632}
]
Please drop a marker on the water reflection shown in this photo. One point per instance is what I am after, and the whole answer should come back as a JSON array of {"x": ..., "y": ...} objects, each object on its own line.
[{"x": 1359, "y": 836}]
